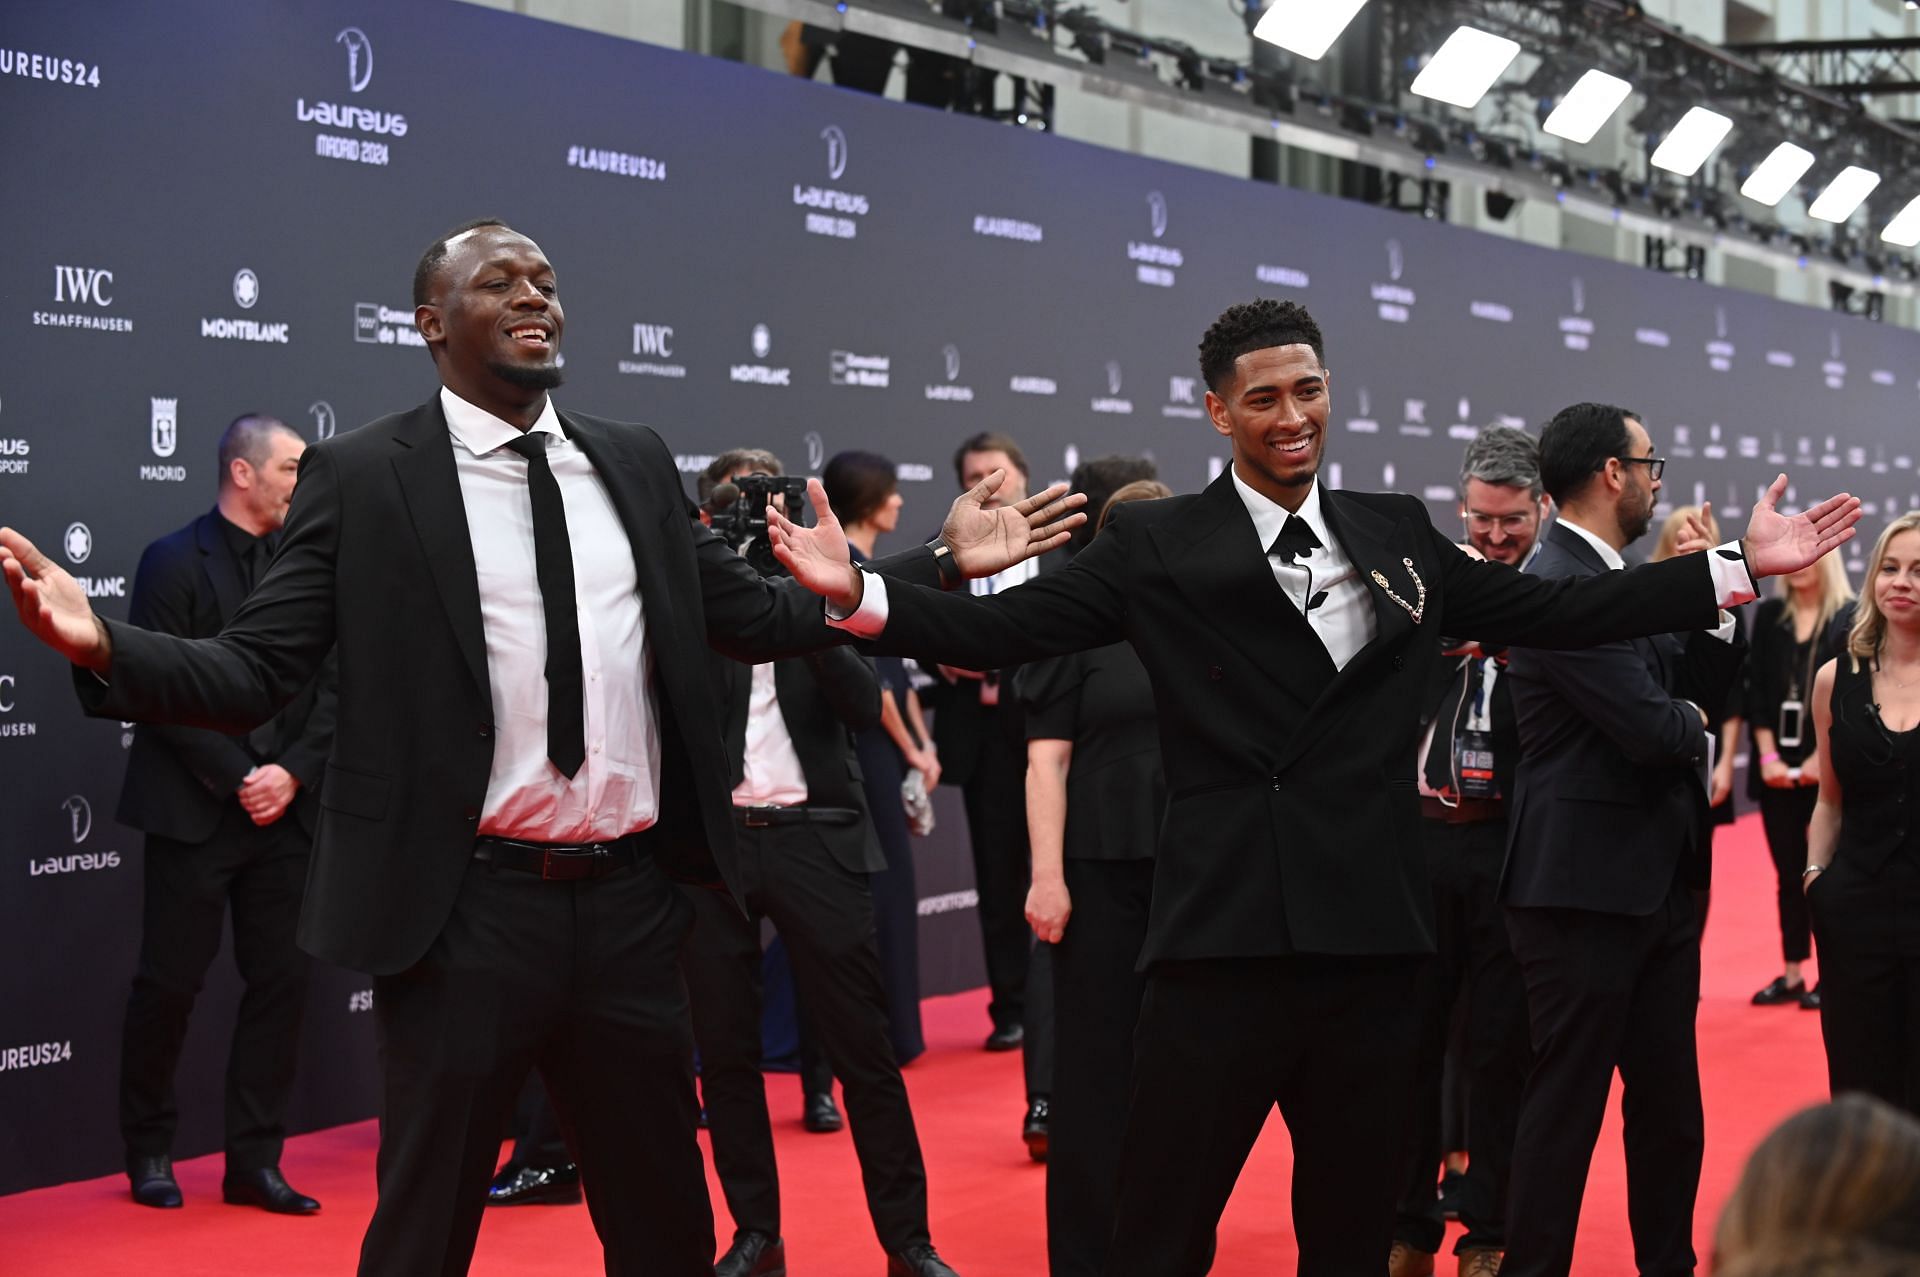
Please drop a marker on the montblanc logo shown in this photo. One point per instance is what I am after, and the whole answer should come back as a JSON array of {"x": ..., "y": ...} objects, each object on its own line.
[
  {"x": 1576, "y": 330},
  {"x": 377, "y": 325},
  {"x": 79, "y": 817},
  {"x": 246, "y": 294},
  {"x": 1070, "y": 459},
  {"x": 83, "y": 286},
  {"x": 833, "y": 211},
  {"x": 1394, "y": 300},
  {"x": 78, "y": 543},
  {"x": 357, "y": 119},
  {"x": 816, "y": 450},
  {"x": 652, "y": 353},
  {"x": 760, "y": 374},
  {"x": 165, "y": 432},
  {"x": 948, "y": 391},
  {"x": 359, "y": 57},
  {"x": 323, "y": 420},
  {"x": 1183, "y": 398},
  {"x": 1155, "y": 263},
  {"x": 1112, "y": 401}
]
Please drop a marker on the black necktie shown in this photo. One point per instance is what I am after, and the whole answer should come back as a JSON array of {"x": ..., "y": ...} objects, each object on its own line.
[
  {"x": 1296, "y": 538},
  {"x": 553, "y": 566},
  {"x": 253, "y": 564}
]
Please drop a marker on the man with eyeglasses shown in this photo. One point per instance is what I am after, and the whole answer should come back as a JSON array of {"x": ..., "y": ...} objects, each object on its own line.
[
  {"x": 1466, "y": 763},
  {"x": 1609, "y": 803}
]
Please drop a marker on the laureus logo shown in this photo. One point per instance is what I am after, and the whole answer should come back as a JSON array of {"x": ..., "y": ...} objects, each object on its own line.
[
  {"x": 1579, "y": 295},
  {"x": 952, "y": 356},
  {"x": 816, "y": 450},
  {"x": 359, "y": 57},
  {"x": 1720, "y": 322},
  {"x": 78, "y": 542},
  {"x": 165, "y": 431},
  {"x": 1157, "y": 213},
  {"x": 836, "y": 139},
  {"x": 1396, "y": 260},
  {"x": 246, "y": 288},
  {"x": 323, "y": 423},
  {"x": 1113, "y": 377},
  {"x": 79, "y": 817}
]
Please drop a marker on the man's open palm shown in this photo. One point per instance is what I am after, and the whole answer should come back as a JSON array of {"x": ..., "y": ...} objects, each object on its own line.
[
  {"x": 1778, "y": 544},
  {"x": 985, "y": 541},
  {"x": 51, "y": 603}
]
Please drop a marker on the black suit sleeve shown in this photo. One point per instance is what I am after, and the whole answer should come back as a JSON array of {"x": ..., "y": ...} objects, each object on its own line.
[
  {"x": 163, "y": 598},
  {"x": 270, "y": 649},
  {"x": 306, "y": 758},
  {"x": 848, "y": 682},
  {"x": 1501, "y": 605}
]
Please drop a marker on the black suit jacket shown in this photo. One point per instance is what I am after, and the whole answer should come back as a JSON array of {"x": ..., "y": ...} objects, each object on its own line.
[
  {"x": 1293, "y": 821},
  {"x": 180, "y": 780},
  {"x": 824, "y": 697},
  {"x": 963, "y": 727},
  {"x": 376, "y": 557},
  {"x": 1608, "y": 805}
]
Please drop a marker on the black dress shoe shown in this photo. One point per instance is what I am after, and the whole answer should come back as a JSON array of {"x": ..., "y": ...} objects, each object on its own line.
[
  {"x": 535, "y": 1186},
  {"x": 1810, "y": 1000},
  {"x": 917, "y": 1261},
  {"x": 153, "y": 1182},
  {"x": 1034, "y": 1129},
  {"x": 1780, "y": 993},
  {"x": 1005, "y": 1037},
  {"x": 753, "y": 1254},
  {"x": 1451, "y": 1184},
  {"x": 820, "y": 1114},
  {"x": 268, "y": 1189}
]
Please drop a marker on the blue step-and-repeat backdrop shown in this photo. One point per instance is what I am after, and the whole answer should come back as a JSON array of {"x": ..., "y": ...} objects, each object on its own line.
[{"x": 209, "y": 208}]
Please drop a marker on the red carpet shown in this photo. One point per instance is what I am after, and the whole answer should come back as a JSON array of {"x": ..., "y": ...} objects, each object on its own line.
[{"x": 1759, "y": 1063}]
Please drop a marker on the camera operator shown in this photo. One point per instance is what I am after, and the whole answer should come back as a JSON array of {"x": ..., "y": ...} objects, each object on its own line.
[{"x": 805, "y": 847}]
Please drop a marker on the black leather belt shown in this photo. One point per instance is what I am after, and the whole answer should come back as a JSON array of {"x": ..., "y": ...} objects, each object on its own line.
[
  {"x": 1467, "y": 811},
  {"x": 762, "y": 817},
  {"x": 561, "y": 862}
]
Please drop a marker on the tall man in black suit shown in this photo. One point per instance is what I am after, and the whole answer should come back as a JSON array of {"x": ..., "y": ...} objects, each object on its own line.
[
  {"x": 1608, "y": 822},
  {"x": 526, "y": 752},
  {"x": 806, "y": 846},
  {"x": 1288, "y": 632},
  {"x": 229, "y": 819}
]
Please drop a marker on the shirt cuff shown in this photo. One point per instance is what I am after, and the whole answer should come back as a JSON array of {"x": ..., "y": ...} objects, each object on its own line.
[
  {"x": 1728, "y": 629},
  {"x": 867, "y": 620},
  {"x": 1732, "y": 582}
]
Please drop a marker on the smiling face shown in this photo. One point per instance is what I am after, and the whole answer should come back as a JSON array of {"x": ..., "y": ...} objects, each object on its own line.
[
  {"x": 1502, "y": 522},
  {"x": 493, "y": 322},
  {"x": 1274, "y": 410},
  {"x": 1896, "y": 581}
]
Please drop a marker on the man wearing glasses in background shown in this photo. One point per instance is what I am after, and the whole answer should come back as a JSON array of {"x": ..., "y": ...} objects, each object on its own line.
[{"x": 1607, "y": 830}]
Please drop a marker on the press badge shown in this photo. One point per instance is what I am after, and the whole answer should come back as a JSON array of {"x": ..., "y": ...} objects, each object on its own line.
[{"x": 1473, "y": 743}]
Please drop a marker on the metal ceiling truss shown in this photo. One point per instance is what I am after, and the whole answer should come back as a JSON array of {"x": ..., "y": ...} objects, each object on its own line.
[{"x": 1848, "y": 68}]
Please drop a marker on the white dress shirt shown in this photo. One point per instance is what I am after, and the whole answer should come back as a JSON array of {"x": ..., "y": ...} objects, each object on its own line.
[
  {"x": 617, "y": 789},
  {"x": 1344, "y": 621},
  {"x": 773, "y": 776}
]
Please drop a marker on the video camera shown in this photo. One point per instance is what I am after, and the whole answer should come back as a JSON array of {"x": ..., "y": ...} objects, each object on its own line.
[{"x": 737, "y": 511}]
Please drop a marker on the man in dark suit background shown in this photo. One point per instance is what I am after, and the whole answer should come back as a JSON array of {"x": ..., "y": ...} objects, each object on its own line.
[
  {"x": 526, "y": 752},
  {"x": 229, "y": 820},
  {"x": 1607, "y": 826},
  {"x": 805, "y": 848},
  {"x": 1288, "y": 632}
]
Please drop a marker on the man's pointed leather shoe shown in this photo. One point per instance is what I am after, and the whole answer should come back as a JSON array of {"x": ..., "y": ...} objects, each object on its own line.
[
  {"x": 820, "y": 1114},
  {"x": 268, "y": 1189},
  {"x": 753, "y": 1254},
  {"x": 917, "y": 1261},
  {"x": 535, "y": 1186},
  {"x": 1006, "y": 1037},
  {"x": 153, "y": 1183},
  {"x": 1034, "y": 1129}
]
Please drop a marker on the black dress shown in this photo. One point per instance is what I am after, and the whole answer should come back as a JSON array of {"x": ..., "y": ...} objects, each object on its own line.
[
  {"x": 1866, "y": 906},
  {"x": 1101, "y": 701}
]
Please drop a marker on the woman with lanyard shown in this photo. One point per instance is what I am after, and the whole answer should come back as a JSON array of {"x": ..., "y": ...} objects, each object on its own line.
[
  {"x": 1793, "y": 636},
  {"x": 1096, "y": 792},
  {"x": 1863, "y": 853}
]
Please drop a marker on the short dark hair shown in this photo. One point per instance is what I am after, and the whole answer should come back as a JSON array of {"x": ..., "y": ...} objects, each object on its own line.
[
  {"x": 436, "y": 254},
  {"x": 1576, "y": 444},
  {"x": 1255, "y": 325},
  {"x": 858, "y": 483},
  {"x": 721, "y": 469},
  {"x": 1100, "y": 478},
  {"x": 989, "y": 441},
  {"x": 1504, "y": 456},
  {"x": 249, "y": 438}
]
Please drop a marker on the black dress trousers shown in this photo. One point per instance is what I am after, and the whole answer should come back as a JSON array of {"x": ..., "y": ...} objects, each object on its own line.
[
  {"x": 581, "y": 981},
  {"x": 186, "y": 890},
  {"x": 825, "y": 914}
]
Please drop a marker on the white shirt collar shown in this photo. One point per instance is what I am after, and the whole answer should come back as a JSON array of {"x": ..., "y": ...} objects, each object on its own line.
[
  {"x": 480, "y": 432},
  {"x": 1608, "y": 555},
  {"x": 1269, "y": 516}
]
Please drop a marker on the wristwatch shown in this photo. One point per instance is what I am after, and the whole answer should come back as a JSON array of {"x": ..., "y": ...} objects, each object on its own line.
[{"x": 950, "y": 576}]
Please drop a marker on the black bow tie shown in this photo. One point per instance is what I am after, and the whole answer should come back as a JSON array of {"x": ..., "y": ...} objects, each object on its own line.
[{"x": 1296, "y": 538}]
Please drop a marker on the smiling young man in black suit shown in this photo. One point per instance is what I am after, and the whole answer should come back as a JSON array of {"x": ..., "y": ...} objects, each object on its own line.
[
  {"x": 1289, "y": 632},
  {"x": 527, "y": 752}
]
